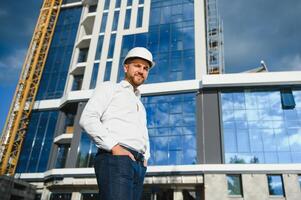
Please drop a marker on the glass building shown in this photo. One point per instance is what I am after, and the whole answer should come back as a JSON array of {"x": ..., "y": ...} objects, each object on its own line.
[{"x": 213, "y": 135}]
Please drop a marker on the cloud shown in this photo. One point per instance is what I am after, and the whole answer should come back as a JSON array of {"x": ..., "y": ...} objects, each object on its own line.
[
  {"x": 261, "y": 30},
  {"x": 10, "y": 67},
  {"x": 292, "y": 62},
  {"x": 3, "y": 13}
]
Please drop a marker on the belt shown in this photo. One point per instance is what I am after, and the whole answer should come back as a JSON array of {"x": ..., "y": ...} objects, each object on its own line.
[{"x": 138, "y": 156}]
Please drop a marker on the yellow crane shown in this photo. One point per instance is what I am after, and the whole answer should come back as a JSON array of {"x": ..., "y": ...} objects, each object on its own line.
[{"x": 17, "y": 121}]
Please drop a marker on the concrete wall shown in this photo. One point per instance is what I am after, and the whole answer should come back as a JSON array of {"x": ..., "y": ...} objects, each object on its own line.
[{"x": 254, "y": 187}]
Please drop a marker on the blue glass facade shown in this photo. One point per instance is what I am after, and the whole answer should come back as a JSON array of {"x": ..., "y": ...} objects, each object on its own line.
[
  {"x": 172, "y": 131},
  {"x": 94, "y": 75},
  {"x": 258, "y": 129},
  {"x": 172, "y": 128},
  {"x": 58, "y": 60},
  {"x": 39, "y": 138},
  {"x": 86, "y": 152},
  {"x": 170, "y": 38}
]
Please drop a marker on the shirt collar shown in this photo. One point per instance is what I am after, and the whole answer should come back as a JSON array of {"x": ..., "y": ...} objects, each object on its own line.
[{"x": 126, "y": 84}]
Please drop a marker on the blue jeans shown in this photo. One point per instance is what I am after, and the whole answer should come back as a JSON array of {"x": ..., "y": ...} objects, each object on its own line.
[{"x": 118, "y": 177}]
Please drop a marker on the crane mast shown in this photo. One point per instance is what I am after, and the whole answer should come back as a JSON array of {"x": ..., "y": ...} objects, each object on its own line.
[{"x": 18, "y": 118}]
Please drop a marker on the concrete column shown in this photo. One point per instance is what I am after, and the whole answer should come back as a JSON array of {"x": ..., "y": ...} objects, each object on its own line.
[
  {"x": 255, "y": 186},
  {"x": 215, "y": 186},
  {"x": 177, "y": 195},
  {"x": 291, "y": 186},
  {"x": 76, "y": 196},
  {"x": 45, "y": 194}
]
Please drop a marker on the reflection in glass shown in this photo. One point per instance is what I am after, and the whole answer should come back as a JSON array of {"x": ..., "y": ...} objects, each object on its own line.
[
  {"x": 275, "y": 184},
  {"x": 55, "y": 72},
  {"x": 234, "y": 185},
  {"x": 257, "y": 129},
  {"x": 36, "y": 148},
  {"x": 63, "y": 150},
  {"x": 108, "y": 71},
  {"x": 170, "y": 39},
  {"x": 86, "y": 152},
  {"x": 103, "y": 22},
  {"x": 94, "y": 76},
  {"x": 171, "y": 128}
]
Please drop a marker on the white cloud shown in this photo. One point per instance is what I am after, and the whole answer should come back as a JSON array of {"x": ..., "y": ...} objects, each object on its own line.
[
  {"x": 10, "y": 67},
  {"x": 292, "y": 62},
  {"x": 3, "y": 13}
]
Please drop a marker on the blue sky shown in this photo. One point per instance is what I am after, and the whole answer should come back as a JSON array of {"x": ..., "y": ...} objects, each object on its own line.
[{"x": 17, "y": 21}]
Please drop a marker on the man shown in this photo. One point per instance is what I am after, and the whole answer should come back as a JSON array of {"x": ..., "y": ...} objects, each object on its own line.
[{"x": 115, "y": 119}]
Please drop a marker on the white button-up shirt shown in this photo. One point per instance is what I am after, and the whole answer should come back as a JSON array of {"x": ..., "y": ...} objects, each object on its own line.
[{"x": 115, "y": 115}]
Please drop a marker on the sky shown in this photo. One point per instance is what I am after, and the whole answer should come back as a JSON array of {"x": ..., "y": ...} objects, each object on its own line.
[
  {"x": 254, "y": 30},
  {"x": 17, "y": 22}
]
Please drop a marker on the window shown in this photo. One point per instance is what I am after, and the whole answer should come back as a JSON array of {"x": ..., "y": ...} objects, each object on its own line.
[
  {"x": 111, "y": 46},
  {"x": 39, "y": 138},
  {"x": 171, "y": 125},
  {"x": 94, "y": 76},
  {"x": 99, "y": 48},
  {"x": 107, "y": 4},
  {"x": 140, "y": 17},
  {"x": 287, "y": 99},
  {"x": 69, "y": 123},
  {"x": 127, "y": 19},
  {"x": 234, "y": 184},
  {"x": 275, "y": 184},
  {"x": 115, "y": 20},
  {"x": 299, "y": 181},
  {"x": 129, "y": 2},
  {"x": 118, "y": 3},
  {"x": 108, "y": 71},
  {"x": 103, "y": 22},
  {"x": 87, "y": 151},
  {"x": 77, "y": 82},
  {"x": 92, "y": 8},
  {"x": 89, "y": 196},
  {"x": 257, "y": 129},
  {"x": 63, "y": 150},
  {"x": 60, "y": 196},
  {"x": 58, "y": 60},
  {"x": 83, "y": 54}
]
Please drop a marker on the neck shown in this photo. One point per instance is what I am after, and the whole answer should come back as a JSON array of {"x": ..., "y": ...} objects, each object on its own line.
[{"x": 134, "y": 86}]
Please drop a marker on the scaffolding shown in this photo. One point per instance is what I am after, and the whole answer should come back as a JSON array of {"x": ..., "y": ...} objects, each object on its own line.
[
  {"x": 23, "y": 101},
  {"x": 215, "y": 45}
]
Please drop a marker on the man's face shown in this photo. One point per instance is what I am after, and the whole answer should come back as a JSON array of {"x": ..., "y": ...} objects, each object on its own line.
[{"x": 136, "y": 71}]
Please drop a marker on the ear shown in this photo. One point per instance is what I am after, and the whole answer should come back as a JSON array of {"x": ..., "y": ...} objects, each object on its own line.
[{"x": 126, "y": 68}]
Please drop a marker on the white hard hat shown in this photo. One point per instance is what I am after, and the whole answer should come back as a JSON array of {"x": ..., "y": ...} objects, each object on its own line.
[{"x": 140, "y": 52}]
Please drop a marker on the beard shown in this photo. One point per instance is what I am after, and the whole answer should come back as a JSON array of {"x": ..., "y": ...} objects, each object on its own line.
[{"x": 135, "y": 80}]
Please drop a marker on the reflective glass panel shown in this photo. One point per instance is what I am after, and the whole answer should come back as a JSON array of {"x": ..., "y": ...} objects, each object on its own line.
[
  {"x": 94, "y": 76},
  {"x": 170, "y": 39},
  {"x": 275, "y": 184},
  {"x": 37, "y": 144},
  {"x": 234, "y": 185},
  {"x": 258, "y": 129},
  {"x": 58, "y": 60},
  {"x": 86, "y": 152},
  {"x": 171, "y": 125}
]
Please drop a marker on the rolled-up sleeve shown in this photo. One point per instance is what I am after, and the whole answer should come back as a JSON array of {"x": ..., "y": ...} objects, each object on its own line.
[{"x": 91, "y": 118}]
